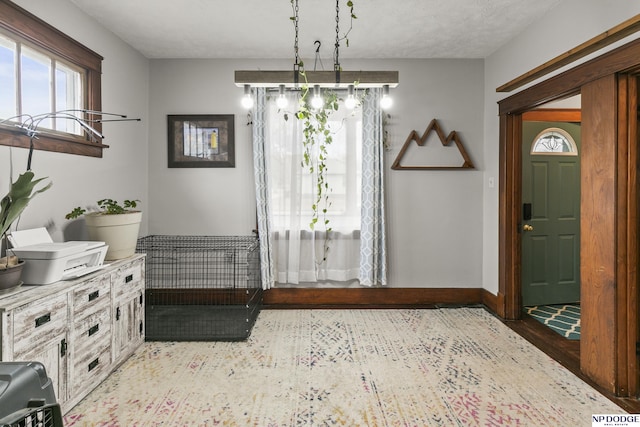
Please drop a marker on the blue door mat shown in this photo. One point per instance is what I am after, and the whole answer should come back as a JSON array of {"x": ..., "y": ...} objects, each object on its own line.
[{"x": 561, "y": 318}]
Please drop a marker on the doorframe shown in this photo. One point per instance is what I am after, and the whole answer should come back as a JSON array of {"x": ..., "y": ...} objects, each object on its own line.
[{"x": 614, "y": 366}]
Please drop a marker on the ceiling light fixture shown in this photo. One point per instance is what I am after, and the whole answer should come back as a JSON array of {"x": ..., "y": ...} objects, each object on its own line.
[{"x": 336, "y": 79}]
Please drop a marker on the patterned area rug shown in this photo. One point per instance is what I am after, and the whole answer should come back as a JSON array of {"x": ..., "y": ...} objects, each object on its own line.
[
  {"x": 442, "y": 367},
  {"x": 562, "y": 318}
]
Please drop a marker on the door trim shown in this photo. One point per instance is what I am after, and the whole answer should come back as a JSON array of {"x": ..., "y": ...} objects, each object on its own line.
[
  {"x": 627, "y": 231},
  {"x": 620, "y": 367}
]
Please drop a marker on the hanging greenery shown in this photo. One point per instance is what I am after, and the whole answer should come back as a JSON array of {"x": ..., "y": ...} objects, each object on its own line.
[
  {"x": 316, "y": 139},
  {"x": 316, "y": 134}
]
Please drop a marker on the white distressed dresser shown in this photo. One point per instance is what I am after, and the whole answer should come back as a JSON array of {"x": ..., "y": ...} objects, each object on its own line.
[{"x": 81, "y": 329}]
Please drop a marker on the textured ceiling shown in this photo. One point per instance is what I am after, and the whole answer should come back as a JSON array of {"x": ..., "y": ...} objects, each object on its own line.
[{"x": 263, "y": 28}]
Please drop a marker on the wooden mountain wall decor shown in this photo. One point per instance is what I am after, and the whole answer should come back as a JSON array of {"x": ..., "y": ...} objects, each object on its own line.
[{"x": 420, "y": 140}]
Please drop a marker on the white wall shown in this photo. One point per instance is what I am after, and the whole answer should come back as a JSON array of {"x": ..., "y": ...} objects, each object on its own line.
[
  {"x": 434, "y": 217},
  {"x": 79, "y": 180},
  {"x": 571, "y": 23},
  {"x": 443, "y": 225}
]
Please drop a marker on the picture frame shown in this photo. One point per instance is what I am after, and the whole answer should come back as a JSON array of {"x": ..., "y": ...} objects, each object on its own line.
[{"x": 201, "y": 141}]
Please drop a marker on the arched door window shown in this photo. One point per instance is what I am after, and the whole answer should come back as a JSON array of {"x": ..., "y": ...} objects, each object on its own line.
[{"x": 554, "y": 141}]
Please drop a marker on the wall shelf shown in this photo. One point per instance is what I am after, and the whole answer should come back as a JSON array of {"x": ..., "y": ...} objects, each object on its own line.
[{"x": 434, "y": 126}]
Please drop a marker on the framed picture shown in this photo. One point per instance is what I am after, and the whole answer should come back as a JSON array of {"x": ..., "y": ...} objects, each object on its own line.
[{"x": 201, "y": 141}]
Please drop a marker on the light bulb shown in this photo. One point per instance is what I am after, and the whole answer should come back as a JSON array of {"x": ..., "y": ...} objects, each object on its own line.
[
  {"x": 247, "y": 99},
  {"x": 350, "y": 102},
  {"x": 281, "y": 101},
  {"x": 317, "y": 102},
  {"x": 386, "y": 101},
  {"x": 247, "y": 102}
]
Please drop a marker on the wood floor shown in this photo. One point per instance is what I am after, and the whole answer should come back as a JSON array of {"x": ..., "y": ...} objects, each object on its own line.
[{"x": 564, "y": 351}]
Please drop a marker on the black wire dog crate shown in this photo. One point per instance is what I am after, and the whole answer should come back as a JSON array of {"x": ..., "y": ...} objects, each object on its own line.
[{"x": 201, "y": 288}]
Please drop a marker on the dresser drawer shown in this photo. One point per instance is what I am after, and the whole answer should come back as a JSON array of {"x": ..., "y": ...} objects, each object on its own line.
[
  {"x": 92, "y": 329},
  {"x": 90, "y": 368},
  {"x": 92, "y": 296},
  {"x": 126, "y": 280},
  {"x": 37, "y": 323}
]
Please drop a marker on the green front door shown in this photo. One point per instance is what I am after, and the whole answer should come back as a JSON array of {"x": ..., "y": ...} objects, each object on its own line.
[{"x": 550, "y": 217}]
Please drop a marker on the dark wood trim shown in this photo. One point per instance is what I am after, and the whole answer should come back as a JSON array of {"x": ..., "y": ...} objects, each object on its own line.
[
  {"x": 567, "y": 353},
  {"x": 489, "y": 300},
  {"x": 571, "y": 115},
  {"x": 627, "y": 236},
  {"x": 568, "y": 83},
  {"x": 612, "y": 35},
  {"x": 374, "y": 297},
  {"x": 621, "y": 175},
  {"x": 609, "y": 205},
  {"x": 633, "y": 239},
  {"x": 599, "y": 270},
  {"x": 52, "y": 142},
  {"x": 19, "y": 21},
  {"x": 324, "y": 298},
  {"x": 509, "y": 265}
]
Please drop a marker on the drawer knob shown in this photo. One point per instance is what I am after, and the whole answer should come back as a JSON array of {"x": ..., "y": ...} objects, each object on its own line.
[
  {"x": 94, "y": 295},
  {"x": 128, "y": 278},
  {"x": 93, "y": 365}
]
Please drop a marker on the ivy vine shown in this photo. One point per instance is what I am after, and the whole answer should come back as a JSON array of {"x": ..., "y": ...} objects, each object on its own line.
[
  {"x": 316, "y": 134},
  {"x": 316, "y": 139}
]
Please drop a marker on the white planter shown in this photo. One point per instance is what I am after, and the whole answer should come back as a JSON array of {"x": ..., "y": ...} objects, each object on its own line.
[{"x": 119, "y": 231}]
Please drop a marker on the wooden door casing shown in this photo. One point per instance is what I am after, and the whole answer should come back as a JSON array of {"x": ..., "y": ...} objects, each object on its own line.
[{"x": 608, "y": 354}]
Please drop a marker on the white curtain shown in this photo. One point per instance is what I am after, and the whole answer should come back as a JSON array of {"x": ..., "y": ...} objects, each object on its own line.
[
  {"x": 301, "y": 255},
  {"x": 294, "y": 254}
]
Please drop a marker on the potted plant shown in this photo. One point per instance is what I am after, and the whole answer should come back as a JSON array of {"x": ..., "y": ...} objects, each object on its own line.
[
  {"x": 11, "y": 207},
  {"x": 113, "y": 223}
]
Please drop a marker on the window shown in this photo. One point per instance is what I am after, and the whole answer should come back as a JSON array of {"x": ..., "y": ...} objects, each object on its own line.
[
  {"x": 293, "y": 188},
  {"x": 42, "y": 71},
  {"x": 30, "y": 80},
  {"x": 554, "y": 141},
  {"x": 301, "y": 255}
]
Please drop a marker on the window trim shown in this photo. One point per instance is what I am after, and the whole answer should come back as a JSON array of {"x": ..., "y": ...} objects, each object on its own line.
[{"x": 19, "y": 22}]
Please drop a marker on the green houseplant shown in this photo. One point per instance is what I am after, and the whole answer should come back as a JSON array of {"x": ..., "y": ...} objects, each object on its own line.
[
  {"x": 11, "y": 207},
  {"x": 113, "y": 223}
]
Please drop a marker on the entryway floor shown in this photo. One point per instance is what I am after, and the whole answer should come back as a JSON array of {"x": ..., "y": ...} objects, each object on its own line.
[{"x": 561, "y": 318}]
